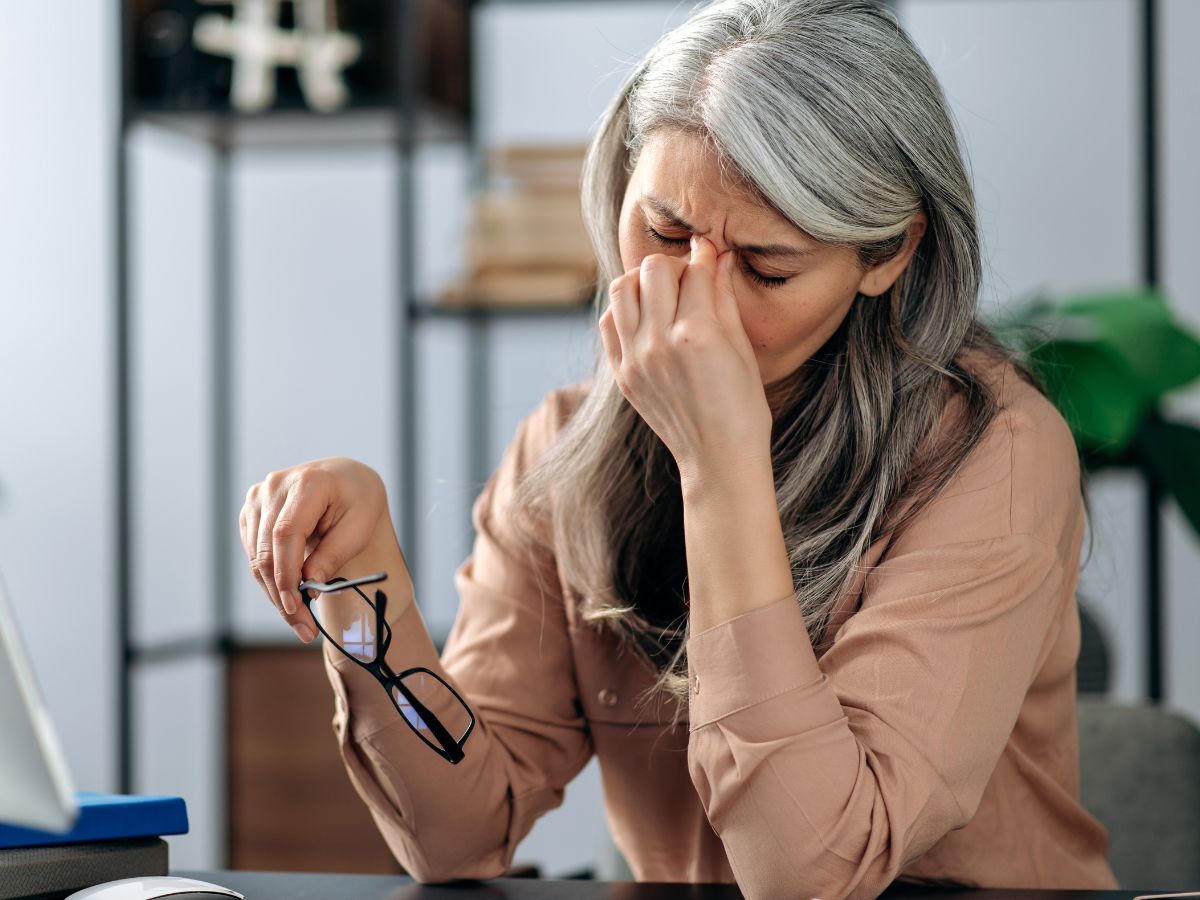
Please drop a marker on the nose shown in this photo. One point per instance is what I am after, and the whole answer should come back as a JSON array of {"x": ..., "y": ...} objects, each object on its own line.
[{"x": 696, "y": 238}]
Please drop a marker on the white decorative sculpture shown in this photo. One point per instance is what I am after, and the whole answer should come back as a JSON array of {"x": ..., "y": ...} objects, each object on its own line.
[{"x": 257, "y": 44}]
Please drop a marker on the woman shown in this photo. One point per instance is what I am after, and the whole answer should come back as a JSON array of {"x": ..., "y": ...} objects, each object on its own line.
[{"x": 798, "y": 561}]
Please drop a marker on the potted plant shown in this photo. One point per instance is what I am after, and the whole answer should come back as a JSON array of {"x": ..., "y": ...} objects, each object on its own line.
[{"x": 1108, "y": 360}]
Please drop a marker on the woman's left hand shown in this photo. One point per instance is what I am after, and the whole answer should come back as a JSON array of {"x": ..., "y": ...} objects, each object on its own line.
[{"x": 680, "y": 355}]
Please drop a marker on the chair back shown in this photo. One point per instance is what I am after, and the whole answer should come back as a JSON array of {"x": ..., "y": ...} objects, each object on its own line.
[{"x": 1139, "y": 774}]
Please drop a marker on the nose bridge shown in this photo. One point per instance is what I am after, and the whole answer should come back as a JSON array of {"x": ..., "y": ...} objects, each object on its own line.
[{"x": 716, "y": 233}]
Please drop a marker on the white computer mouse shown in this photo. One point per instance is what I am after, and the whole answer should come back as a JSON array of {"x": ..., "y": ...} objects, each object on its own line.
[{"x": 150, "y": 886}]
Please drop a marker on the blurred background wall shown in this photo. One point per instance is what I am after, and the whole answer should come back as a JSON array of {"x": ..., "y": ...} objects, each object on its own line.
[{"x": 1046, "y": 93}]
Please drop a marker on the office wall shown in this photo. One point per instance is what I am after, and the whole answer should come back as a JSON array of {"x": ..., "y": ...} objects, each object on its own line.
[
  {"x": 1052, "y": 143},
  {"x": 1181, "y": 281},
  {"x": 56, "y": 363}
]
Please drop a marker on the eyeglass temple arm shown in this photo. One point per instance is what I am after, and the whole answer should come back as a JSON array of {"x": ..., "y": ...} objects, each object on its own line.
[{"x": 322, "y": 587}]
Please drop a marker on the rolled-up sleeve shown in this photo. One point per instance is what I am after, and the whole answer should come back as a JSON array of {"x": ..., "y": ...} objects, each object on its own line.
[
  {"x": 509, "y": 656},
  {"x": 826, "y": 777}
]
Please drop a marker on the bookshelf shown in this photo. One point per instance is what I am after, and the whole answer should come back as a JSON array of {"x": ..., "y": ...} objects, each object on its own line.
[{"x": 406, "y": 124}]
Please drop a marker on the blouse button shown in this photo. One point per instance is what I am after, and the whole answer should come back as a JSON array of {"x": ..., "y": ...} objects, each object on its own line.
[
  {"x": 608, "y": 697},
  {"x": 695, "y": 684}
]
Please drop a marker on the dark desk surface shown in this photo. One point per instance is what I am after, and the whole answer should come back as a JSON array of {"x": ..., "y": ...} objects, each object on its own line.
[{"x": 271, "y": 885}]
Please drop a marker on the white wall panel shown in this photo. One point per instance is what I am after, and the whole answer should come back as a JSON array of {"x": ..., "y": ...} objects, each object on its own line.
[
  {"x": 444, "y": 492},
  {"x": 1044, "y": 93},
  {"x": 57, "y": 364},
  {"x": 1180, "y": 117},
  {"x": 528, "y": 359},
  {"x": 179, "y": 750},
  {"x": 545, "y": 72},
  {"x": 171, "y": 319}
]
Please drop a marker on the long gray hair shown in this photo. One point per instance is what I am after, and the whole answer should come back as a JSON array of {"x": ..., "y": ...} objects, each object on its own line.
[{"x": 829, "y": 114}]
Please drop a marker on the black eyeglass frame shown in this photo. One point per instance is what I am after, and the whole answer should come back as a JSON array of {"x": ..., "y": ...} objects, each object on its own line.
[{"x": 451, "y": 748}]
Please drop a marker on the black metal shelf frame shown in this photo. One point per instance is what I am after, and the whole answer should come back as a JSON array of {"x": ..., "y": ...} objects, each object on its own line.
[{"x": 408, "y": 127}]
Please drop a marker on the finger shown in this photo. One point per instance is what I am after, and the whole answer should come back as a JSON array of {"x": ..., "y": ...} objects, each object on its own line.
[
  {"x": 250, "y": 542},
  {"x": 658, "y": 293},
  {"x": 243, "y": 535},
  {"x": 608, "y": 337},
  {"x": 623, "y": 306},
  {"x": 264, "y": 549},
  {"x": 697, "y": 287},
  {"x": 306, "y": 502}
]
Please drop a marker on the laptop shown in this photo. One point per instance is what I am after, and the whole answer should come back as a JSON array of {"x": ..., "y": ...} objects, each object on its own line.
[{"x": 35, "y": 785}]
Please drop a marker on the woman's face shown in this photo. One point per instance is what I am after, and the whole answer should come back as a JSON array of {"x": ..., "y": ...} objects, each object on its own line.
[{"x": 792, "y": 291}]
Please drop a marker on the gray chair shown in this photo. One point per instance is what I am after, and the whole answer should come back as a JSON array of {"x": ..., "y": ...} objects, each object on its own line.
[{"x": 1139, "y": 774}]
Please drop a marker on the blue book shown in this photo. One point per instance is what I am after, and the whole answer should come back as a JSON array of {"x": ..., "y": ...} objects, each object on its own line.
[{"x": 108, "y": 817}]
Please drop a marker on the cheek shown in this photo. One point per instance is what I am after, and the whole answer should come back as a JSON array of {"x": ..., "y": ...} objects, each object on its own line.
[
  {"x": 635, "y": 246},
  {"x": 790, "y": 322}
]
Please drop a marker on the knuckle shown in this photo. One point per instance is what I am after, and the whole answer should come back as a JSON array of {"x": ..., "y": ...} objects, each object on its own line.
[
  {"x": 283, "y": 528},
  {"x": 309, "y": 477},
  {"x": 653, "y": 347}
]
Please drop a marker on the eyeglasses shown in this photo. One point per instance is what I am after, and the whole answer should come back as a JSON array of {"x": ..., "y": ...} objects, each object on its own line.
[{"x": 358, "y": 628}]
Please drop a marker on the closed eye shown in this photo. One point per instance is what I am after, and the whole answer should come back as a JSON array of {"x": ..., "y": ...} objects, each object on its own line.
[{"x": 764, "y": 280}]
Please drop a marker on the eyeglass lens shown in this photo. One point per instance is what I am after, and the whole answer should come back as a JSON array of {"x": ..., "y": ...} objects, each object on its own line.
[
  {"x": 348, "y": 619},
  {"x": 431, "y": 693}
]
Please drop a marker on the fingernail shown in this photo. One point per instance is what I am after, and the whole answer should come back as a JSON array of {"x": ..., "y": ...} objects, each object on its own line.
[
  {"x": 288, "y": 599},
  {"x": 693, "y": 242},
  {"x": 303, "y": 632}
]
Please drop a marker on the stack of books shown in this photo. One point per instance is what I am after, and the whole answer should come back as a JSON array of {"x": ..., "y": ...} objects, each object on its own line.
[
  {"x": 116, "y": 836},
  {"x": 527, "y": 245}
]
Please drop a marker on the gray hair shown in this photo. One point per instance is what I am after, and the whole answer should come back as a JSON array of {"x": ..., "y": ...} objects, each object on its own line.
[{"x": 830, "y": 115}]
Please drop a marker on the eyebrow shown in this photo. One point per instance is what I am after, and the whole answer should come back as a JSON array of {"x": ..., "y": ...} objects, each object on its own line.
[{"x": 666, "y": 211}]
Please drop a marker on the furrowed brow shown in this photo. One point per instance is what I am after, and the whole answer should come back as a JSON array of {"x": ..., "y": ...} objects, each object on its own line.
[{"x": 665, "y": 210}]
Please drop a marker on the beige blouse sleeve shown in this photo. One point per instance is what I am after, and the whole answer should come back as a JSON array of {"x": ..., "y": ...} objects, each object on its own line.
[
  {"x": 508, "y": 655},
  {"x": 827, "y": 778}
]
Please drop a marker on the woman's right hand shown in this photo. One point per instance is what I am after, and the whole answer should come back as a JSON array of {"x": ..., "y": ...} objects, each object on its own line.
[{"x": 306, "y": 522}]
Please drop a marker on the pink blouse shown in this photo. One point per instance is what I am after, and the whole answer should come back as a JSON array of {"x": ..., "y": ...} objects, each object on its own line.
[{"x": 935, "y": 738}]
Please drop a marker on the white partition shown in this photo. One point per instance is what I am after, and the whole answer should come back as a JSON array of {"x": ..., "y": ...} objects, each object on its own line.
[
  {"x": 179, "y": 749},
  {"x": 444, "y": 492},
  {"x": 171, "y": 378},
  {"x": 1180, "y": 112},
  {"x": 57, "y": 364},
  {"x": 545, "y": 72}
]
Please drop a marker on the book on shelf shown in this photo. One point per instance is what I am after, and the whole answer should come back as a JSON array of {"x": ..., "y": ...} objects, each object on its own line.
[
  {"x": 534, "y": 287},
  {"x": 507, "y": 208},
  {"x": 527, "y": 244},
  {"x": 512, "y": 248}
]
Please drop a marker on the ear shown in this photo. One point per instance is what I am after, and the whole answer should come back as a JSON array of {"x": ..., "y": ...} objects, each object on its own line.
[{"x": 881, "y": 277}]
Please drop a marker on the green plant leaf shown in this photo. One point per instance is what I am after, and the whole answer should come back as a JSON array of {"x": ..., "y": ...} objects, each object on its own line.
[
  {"x": 1170, "y": 451},
  {"x": 1139, "y": 328},
  {"x": 1106, "y": 359},
  {"x": 1094, "y": 390}
]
